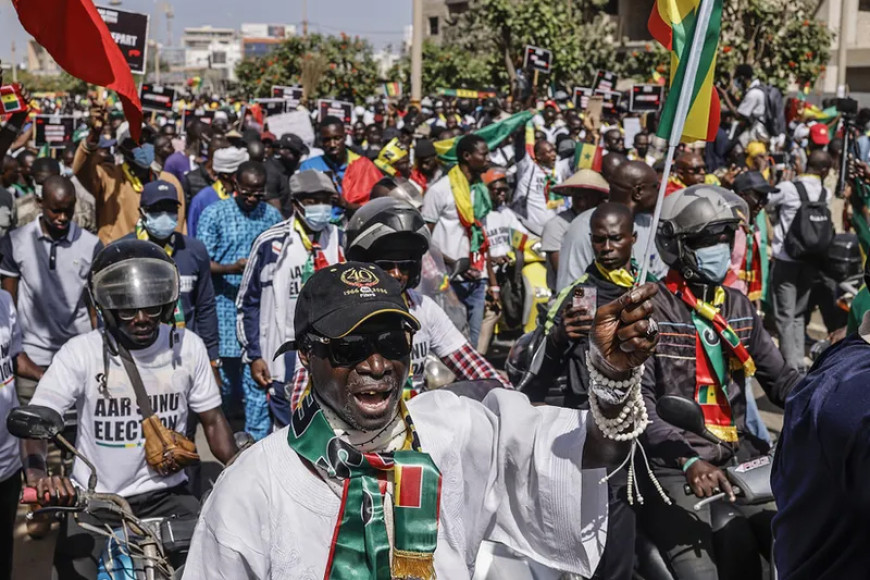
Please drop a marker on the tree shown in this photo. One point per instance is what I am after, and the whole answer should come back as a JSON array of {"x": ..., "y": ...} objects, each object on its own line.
[
  {"x": 351, "y": 72},
  {"x": 578, "y": 33},
  {"x": 781, "y": 39}
]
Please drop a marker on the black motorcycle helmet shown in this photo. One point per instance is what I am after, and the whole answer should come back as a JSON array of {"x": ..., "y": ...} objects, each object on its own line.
[
  {"x": 133, "y": 274},
  {"x": 388, "y": 229}
]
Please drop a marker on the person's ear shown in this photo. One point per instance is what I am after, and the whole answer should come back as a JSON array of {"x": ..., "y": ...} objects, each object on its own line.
[
  {"x": 303, "y": 358},
  {"x": 633, "y": 238}
]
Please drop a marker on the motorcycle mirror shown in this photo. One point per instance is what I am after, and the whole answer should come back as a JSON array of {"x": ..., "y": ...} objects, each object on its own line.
[
  {"x": 34, "y": 422},
  {"x": 683, "y": 413}
]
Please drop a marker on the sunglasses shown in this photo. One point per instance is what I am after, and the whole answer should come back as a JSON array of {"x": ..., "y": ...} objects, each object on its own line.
[
  {"x": 400, "y": 265},
  {"x": 355, "y": 348},
  {"x": 128, "y": 314},
  {"x": 259, "y": 194},
  {"x": 711, "y": 236}
]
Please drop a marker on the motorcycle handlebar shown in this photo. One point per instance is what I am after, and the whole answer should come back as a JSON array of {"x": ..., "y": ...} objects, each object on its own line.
[{"x": 30, "y": 495}]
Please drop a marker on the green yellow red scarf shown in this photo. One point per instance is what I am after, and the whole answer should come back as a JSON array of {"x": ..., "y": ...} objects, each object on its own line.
[
  {"x": 712, "y": 365},
  {"x": 360, "y": 545},
  {"x": 473, "y": 204},
  {"x": 755, "y": 266}
]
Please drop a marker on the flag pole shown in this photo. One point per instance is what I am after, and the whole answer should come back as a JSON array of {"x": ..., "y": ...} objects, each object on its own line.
[{"x": 682, "y": 111}]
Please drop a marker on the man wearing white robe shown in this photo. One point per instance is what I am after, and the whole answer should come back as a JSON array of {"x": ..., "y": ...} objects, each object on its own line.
[{"x": 512, "y": 473}]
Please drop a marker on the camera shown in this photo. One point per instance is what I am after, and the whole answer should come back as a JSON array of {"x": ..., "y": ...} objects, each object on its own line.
[{"x": 847, "y": 107}]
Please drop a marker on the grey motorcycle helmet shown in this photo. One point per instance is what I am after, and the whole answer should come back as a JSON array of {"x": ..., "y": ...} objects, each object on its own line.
[
  {"x": 694, "y": 212},
  {"x": 388, "y": 229}
]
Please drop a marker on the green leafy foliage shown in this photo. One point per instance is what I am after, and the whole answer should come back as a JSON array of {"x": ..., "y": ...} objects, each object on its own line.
[{"x": 351, "y": 73}]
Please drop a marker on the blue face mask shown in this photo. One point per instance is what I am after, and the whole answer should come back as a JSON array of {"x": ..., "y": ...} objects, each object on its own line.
[
  {"x": 161, "y": 225},
  {"x": 143, "y": 156},
  {"x": 713, "y": 262},
  {"x": 317, "y": 216}
]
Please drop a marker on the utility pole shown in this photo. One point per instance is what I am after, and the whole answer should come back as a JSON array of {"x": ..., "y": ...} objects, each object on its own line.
[
  {"x": 417, "y": 54},
  {"x": 846, "y": 13},
  {"x": 304, "y": 18},
  {"x": 14, "y": 64}
]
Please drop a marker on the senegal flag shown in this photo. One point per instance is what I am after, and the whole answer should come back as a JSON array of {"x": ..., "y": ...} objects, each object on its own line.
[
  {"x": 673, "y": 24},
  {"x": 492, "y": 134},
  {"x": 587, "y": 156}
]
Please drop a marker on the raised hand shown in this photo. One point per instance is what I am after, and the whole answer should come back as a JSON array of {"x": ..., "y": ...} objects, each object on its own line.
[{"x": 623, "y": 331}]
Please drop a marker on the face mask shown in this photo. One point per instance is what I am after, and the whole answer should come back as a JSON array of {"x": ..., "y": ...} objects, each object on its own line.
[
  {"x": 713, "y": 262},
  {"x": 161, "y": 225},
  {"x": 37, "y": 190},
  {"x": 317, "y": 216},
  {"x": 144, "y": 156}
]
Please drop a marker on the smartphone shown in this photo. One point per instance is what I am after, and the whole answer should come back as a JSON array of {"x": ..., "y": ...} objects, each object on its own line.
[
  {"x": 11, "y": 100},
  {"x": 586, "y": 298}
]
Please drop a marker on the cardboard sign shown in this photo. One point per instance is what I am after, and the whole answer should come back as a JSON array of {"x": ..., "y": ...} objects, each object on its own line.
[
  {"x": 293, "y": 95},
  {"x": 631, "y": 126},
  {"x": 56, "y": 131},
  {"x": 646, "y": 98},
  {"x": 11, "y": 100},
  {"x": 605, "y": 80},
  {"x": 130, "y": 32},
  {"x": 610, "y": 100},
  {"x": 581, "y": 97},
  {"x": 157, "y": 98},
  {"x": 188, "y": 116},
  {"x": 539, "y": 59},
  {"x": 296, "y": 122},
  {"x": 329, "y": 108},
  {"x": 593, "y": 112},
  {"x": 272, "y": 107}
]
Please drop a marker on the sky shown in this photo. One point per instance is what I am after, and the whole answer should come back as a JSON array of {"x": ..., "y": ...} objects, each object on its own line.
[{"x": 381, "y": 21}]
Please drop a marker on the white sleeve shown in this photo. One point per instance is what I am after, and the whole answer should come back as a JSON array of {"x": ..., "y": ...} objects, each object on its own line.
[
  {"x": 15, "y": 347},
  {"x": 752, "y": 102},
  {"x": 538, "y": 500},
  {"x": 204, "y": 394},
  {"x": 64, "y": 381},
  {"x": 231, "y": 540},
  {"x": 445, "y": 337},
  {"x": 432, "y": 203}
]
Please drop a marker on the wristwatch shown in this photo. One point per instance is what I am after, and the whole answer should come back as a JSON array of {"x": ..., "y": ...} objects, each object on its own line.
[{"x": 217, "y": 363}]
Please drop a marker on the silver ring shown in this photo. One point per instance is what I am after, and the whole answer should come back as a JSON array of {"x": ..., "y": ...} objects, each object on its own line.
[{"x": 653, "y": 329}]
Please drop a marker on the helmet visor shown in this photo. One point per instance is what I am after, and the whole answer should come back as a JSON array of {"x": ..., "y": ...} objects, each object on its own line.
[{"x": 139, "y": 283}]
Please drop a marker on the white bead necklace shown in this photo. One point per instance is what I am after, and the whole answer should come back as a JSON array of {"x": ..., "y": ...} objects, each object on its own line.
[{"x": 627, "y": 426}]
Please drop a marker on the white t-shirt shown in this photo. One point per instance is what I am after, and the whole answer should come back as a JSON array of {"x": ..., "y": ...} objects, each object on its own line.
[
  {"x": 511, "y": 473},
  {"x": 439, "y": 208},
  {"x": 530, "y": 201},
  {"x": 109, "y": 425},
  {"x": 437, "y": 334},
  {"x": 752, "y": 107},
  {"x": 499, "y": 223},
  {"x": 10, "y": 347}
]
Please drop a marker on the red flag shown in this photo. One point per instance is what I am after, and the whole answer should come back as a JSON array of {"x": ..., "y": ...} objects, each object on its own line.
[{"x": 77, "y": 38}]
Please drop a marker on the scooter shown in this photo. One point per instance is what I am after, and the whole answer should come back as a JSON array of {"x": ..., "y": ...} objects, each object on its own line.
[{"x": 138, "y": 549}]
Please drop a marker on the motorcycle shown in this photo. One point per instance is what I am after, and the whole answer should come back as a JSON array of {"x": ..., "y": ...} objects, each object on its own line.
[
  {"x": 138, "y": 549},
  {"x": 524, "y": 286},
  {"x": 750, "y": 480}
]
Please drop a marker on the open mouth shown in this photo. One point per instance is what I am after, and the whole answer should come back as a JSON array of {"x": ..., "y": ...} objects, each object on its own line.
[{"x": 373, "y": 401}]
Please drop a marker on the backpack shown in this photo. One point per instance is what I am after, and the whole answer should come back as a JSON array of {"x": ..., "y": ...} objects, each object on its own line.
[
  {"x": 812, "y": 230},
  {"x": 774, "y": 111}
]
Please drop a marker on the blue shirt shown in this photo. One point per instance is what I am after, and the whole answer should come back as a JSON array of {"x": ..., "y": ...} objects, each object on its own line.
[
  {"x": 197, "y": 290},
  {"x": 200, "y": 201},
  {"x": 228, "y": 234},
  {"x": 821, "y": 470},
  {"x": 321, "y": 163}
]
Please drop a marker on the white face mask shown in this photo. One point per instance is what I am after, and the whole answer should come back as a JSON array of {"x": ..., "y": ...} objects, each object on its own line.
[{"x": 317, "y": 216}]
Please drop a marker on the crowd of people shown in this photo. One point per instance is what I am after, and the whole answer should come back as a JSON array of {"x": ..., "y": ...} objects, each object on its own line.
[{"x": 316, "y": 285}]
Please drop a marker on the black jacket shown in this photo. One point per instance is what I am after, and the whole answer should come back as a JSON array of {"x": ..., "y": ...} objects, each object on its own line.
[
  {"x": 564, "y": 379},
  {"x": 671, "y": 370}
]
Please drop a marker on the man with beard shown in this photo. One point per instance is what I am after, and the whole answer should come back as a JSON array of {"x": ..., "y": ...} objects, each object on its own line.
[
  {"x": 228, "y": 229},
  {"x": 427, "y": 167},
  {"x": 362, "y": 481}
]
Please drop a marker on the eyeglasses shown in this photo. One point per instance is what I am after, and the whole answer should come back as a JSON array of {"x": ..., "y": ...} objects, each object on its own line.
[
  {"x": 259, "y": 193},
  {"x": 500, "y": 189},
  {"x": 695, "y": 170},
  {"x": 355, "y": 348},
  {"x": 401, "y": 265},
  {"x": 128, "y": 314}
]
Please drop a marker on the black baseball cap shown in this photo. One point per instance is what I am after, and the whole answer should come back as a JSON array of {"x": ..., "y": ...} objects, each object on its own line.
[
  {"x": 753, "y": 181},
  {"x": 337, "y": 299},
  {"x": 156, "y": 191},
  {"x": 293, "y": 143}
]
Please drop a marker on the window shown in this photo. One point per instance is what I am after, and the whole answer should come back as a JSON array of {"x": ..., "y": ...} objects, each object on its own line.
[
  {"x": 433, "y": 26},
  {"x": 219, "y": 58},
  {"x": 864, "y": 5}
]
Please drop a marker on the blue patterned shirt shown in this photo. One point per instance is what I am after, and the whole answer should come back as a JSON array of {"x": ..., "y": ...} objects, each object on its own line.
[{"x": 228, "y": 234}]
